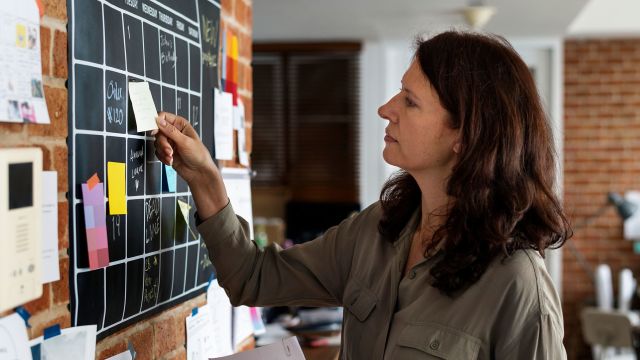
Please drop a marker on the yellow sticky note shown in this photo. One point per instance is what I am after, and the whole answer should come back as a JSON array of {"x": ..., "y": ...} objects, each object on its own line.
[
  {"x": 116, "y": 178},
  {"x": 184, "y": 210}
]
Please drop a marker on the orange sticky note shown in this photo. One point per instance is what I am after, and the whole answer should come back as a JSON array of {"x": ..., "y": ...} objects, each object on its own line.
[
  {"x": 93, "y": 181},
  {"x": 116, "y": 181}
]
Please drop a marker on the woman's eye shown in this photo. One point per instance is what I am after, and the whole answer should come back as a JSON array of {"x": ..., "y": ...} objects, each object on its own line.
[{"x": 408, "y": 102}]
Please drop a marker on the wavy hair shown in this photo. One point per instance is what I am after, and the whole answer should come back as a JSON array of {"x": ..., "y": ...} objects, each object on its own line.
[{"x": 503, "y": 181}]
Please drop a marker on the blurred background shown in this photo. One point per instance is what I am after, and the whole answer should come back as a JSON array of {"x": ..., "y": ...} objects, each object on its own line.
[{"x": 321, "y": 69}]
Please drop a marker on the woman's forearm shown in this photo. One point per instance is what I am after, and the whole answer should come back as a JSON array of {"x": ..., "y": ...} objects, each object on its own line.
[{"x": 209, "y": 192}]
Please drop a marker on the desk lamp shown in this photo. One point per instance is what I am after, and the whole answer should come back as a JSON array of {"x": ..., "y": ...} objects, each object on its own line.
[{"x": 625, "y": 210}]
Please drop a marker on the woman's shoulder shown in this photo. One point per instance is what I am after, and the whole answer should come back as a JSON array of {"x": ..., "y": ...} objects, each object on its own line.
[{"x": 523, "y": 276}]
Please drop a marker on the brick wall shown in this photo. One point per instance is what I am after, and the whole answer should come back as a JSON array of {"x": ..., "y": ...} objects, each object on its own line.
[
  {"x": 161, "y": 336},
  {"x": 602, "y": 153}
]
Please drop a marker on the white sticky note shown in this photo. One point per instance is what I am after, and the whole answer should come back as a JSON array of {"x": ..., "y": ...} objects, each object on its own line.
[
  {"x": 220, "y": 310},
  {"x": 223, "y": 128},
  {"x": 14, "y": 342},
  {"x": 200, "y": 335},
  {"x": 50, "y": 266},
  {"x": 144, "y": 108}
]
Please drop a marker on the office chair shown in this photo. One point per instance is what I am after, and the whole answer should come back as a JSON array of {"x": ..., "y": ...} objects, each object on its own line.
[{"x": 610, "y": 332}]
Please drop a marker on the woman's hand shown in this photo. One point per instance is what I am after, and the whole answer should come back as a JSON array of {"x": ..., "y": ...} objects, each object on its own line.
[{"x": 177, "y": 144}]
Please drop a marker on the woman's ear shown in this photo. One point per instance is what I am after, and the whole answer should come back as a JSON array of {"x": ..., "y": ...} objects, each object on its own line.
[{"x": 457, "y": 147}]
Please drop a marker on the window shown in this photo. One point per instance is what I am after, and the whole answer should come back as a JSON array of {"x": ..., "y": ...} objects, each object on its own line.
[{"x": 305, "y": 129}]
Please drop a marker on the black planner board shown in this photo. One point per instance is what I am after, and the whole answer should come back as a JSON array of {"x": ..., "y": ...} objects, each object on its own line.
[{"x": 154, "y": 260}]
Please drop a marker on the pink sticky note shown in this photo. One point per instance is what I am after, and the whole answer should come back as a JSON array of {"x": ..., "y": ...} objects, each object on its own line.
[
  {"x": 95, "y": 225},
  {"x": 94, "y": 196}
]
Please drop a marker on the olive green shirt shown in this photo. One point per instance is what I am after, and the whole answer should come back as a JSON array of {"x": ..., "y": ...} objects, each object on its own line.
[{"x": 511, "y": 312}]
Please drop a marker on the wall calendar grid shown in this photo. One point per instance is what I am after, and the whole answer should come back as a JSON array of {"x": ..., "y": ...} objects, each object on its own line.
[{"x": 153, "y": 262}]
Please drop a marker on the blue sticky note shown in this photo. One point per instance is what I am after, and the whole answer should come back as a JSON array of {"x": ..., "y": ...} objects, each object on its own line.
[
  {"x": 52, "y": 331},
  {"x": 169, "y": 179}
]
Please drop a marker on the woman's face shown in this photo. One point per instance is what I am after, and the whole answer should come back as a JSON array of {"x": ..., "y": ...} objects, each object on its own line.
[{"x": 418, "y": 137}]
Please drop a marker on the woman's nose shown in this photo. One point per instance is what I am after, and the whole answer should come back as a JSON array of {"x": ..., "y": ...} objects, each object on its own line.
[{"x": 383, "y": 111}]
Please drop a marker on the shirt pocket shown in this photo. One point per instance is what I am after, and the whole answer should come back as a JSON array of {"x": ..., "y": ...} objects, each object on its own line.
[
  {"x": 435, "y": 341},
  {"x": 359, "y": 301}
]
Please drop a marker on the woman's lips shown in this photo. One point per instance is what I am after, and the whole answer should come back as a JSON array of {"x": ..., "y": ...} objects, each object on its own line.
[{"x": 389, "y": 139}]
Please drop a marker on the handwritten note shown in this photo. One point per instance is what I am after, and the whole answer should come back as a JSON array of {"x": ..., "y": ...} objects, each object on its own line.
[
  {"x": 117, "y": 188},
  {"x": 96, "y": 226},
  {"x": 144, "y": 108}
]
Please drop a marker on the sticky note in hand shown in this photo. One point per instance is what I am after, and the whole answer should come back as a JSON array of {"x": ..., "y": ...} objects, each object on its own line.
[{"x": 144, "y": 109}]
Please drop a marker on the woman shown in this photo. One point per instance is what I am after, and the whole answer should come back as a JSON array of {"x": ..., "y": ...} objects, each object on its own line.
[{"x": 448, "y": 264}]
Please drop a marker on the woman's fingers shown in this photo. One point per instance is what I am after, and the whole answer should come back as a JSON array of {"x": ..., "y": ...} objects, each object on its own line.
[{"x": 179, "y": 123}]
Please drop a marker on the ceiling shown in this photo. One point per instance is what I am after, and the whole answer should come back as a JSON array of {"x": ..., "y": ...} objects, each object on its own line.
[{"x": 402, "y": 19}]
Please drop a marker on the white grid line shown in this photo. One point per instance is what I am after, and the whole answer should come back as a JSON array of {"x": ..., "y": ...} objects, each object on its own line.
[{"x": 128, "y": 136}]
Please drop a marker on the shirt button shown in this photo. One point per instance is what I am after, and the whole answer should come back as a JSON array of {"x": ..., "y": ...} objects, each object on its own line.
[
  {"x": 435, "y": 344},
  {"x": 412, "y": 274}
]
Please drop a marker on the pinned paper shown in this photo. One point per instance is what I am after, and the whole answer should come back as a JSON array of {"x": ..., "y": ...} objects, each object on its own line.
[
  {"x": 242, "y": 325},
  {"x": 220, "y": 310},
  {"x": 126, "y": 355},
  {"x": 239, "y": 124},
  {"x": 117, "y": 188},
  {"x": 200, "y": 337},
  {"x": 169, "y": 179},
  {"x": 14, "y": 343},
  {"x": 93, "y": 181},
  {"x": 223, "y": 125},
  {"x": 77, "y": 342},
  {"x": 144, "y": 109},
  {"x": 50, "y": 265},
  {"x": 95, "y": 224}
]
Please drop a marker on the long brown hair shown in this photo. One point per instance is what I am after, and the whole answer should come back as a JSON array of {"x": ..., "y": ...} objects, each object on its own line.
[{"x": 503, "y": 182}]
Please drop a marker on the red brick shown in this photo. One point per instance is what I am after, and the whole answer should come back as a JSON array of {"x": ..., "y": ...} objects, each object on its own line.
[
  {"x": 179, "y": 354},
  {"x": 61, "y": 165},
  {"x": 45, "y": 50},
  {"x": 143, "y": 342},
  {"x": 60, "y": 288},
  {"x": 60, "y": 54},
  {"x": 228, "y": 8},
  {"x": 55, "y": 8},
  {"x": 114, "y": 348},
  {"x": 169, "y": 331},
  {"x": 240, "y": 12},
  {"x": 10, "y": 128},
  {"x": 57, "y": 105},
  {"x": 42, "y": 303},
  {"x": 63, "y": 225},
  {"x": 37, "y": 327}
]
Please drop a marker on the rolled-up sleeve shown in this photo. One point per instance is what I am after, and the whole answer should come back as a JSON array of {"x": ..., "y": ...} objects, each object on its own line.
[{"x": 312, "y": 274}]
